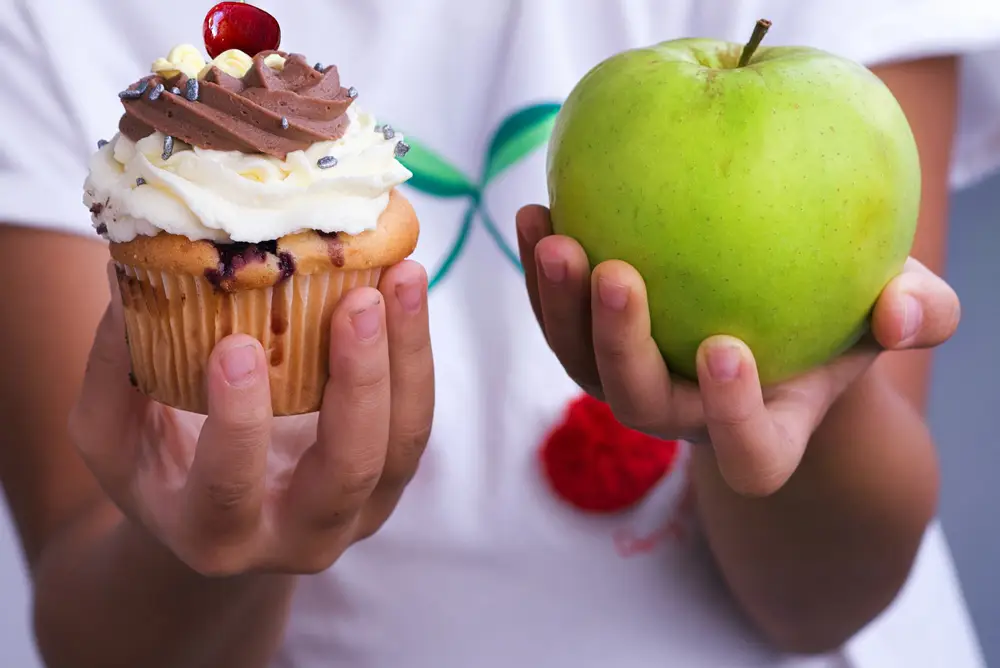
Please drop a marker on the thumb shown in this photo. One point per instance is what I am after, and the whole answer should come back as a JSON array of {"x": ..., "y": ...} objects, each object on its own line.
[
  {"x": 917, "y": 309},
  {"x": 108, "y": 403}
]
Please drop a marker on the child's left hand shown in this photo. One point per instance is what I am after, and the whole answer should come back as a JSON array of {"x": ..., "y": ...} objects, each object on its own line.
[{"x": 597, "y": 323}]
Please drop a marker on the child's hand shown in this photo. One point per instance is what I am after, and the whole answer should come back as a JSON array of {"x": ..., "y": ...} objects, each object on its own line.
[
  {"x": 598, "y": 326},
  {"x": 240, "y": 492}
]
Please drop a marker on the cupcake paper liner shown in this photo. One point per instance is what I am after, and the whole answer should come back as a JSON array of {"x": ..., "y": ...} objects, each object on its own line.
[{"x": 173, "y": 322}]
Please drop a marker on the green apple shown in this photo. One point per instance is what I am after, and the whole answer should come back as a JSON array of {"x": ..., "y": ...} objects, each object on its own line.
[{"x": 767, "y": 194}]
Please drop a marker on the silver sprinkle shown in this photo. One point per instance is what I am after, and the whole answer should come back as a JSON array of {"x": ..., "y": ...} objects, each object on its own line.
[
  {"x": 101, "y": 143},
  {"x": 168, "y": 147},
  {"x": 352, "y": 92},
  {"x": 326, "y": 162},
  {"x": 402, "y": 148},
  {"x": 318, "y": 67},
  {"x": 388, "y": 132},
  {"x": 140, "y": 181},
  {"x": 157, "y": 92},
  {"x": 284, "y": 123},
  {"x": 143, "y": 85},
  {"x": 192, "y": 90},
  {"x": 130, "y": 94},
  {"x": 175, "y": 90}
]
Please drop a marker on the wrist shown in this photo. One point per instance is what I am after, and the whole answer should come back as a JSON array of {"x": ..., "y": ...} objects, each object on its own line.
[
  {"x": 865, "y": 409},
  {"x": 873, "y": 443},
  {"x": 134, "y": 540},
  {"x": 107, "y": 592},
  {"x": 111, "y": 544}
]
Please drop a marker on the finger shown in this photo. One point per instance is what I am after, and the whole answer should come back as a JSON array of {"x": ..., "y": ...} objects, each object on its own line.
[
  {"x": 108, "y": 404},
  {"x": 564, "y": 296},
  {"x": 225, "y": 490},
  {"x": 756, "y": 453},
  {"x": 533, "y": 225},
  {"x": 917, "y": 309},
  {"x": 337, "y": 475},
  {"x": 633, "y": 374},
  {"x": 411, "y": 371}
]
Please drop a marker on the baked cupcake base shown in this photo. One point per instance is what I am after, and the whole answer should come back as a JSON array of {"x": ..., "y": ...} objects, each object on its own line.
[{"x": 181, "y": 297}]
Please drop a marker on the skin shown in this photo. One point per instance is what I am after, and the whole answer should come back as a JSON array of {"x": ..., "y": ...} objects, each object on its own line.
[
  {"x": 791, "y": 484},
  {"x": 203, "y": 573},
  {"x": 113, "y": 591}
]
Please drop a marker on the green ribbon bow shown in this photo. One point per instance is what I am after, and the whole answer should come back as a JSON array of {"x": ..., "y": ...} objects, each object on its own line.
[{"x": 519, "y": 135}]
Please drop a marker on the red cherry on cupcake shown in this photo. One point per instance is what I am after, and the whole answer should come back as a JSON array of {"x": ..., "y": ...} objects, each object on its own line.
[{"x": 237, "y": 25}]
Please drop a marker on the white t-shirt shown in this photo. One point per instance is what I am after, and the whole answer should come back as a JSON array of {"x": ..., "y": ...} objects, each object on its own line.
[{"x": 482, "y": 565}]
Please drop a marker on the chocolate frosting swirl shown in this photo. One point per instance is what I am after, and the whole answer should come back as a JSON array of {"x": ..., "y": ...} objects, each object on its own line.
[{"x": 245, "y": 114}]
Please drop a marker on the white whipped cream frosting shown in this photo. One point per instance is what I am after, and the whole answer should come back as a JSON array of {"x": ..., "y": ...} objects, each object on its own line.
[{"x": 231, "y": 196}]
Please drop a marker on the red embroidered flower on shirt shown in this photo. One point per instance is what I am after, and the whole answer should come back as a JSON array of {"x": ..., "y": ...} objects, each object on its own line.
[{"x": 596, "y": 464}]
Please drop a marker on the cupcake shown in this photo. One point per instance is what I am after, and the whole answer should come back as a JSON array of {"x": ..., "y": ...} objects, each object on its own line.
[{"x": 245, "y": 194}]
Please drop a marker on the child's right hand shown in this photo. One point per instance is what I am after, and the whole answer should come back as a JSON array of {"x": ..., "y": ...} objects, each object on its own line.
[
  {"x": 240, "y": 492},
  {"x": 596, "y": 320}
]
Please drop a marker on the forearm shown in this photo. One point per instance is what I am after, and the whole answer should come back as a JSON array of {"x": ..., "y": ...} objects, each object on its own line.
[
  {"x": 815, "y": 562},
  {"x": 106, "y": 594}
]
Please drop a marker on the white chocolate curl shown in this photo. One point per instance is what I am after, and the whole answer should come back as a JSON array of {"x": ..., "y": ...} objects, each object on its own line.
[{"x": 188, "y": 60}]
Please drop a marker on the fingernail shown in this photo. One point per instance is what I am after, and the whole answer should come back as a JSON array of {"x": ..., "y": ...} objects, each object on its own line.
[
  {"x": 366, "y": 322},
  {"x": 913, "y": 317},
  {"x": 523, "y": 232},
  {"x": 724, "y": 363},
  {"x": 554, "y": 269},
  {"x": 238, "y": 365},
  {"x": 613, "y": 295},
  {"x": 410, "y": 296}
]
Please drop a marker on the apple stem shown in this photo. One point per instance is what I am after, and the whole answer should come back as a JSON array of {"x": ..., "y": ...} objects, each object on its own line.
[{"x": 756, "y": 38}]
